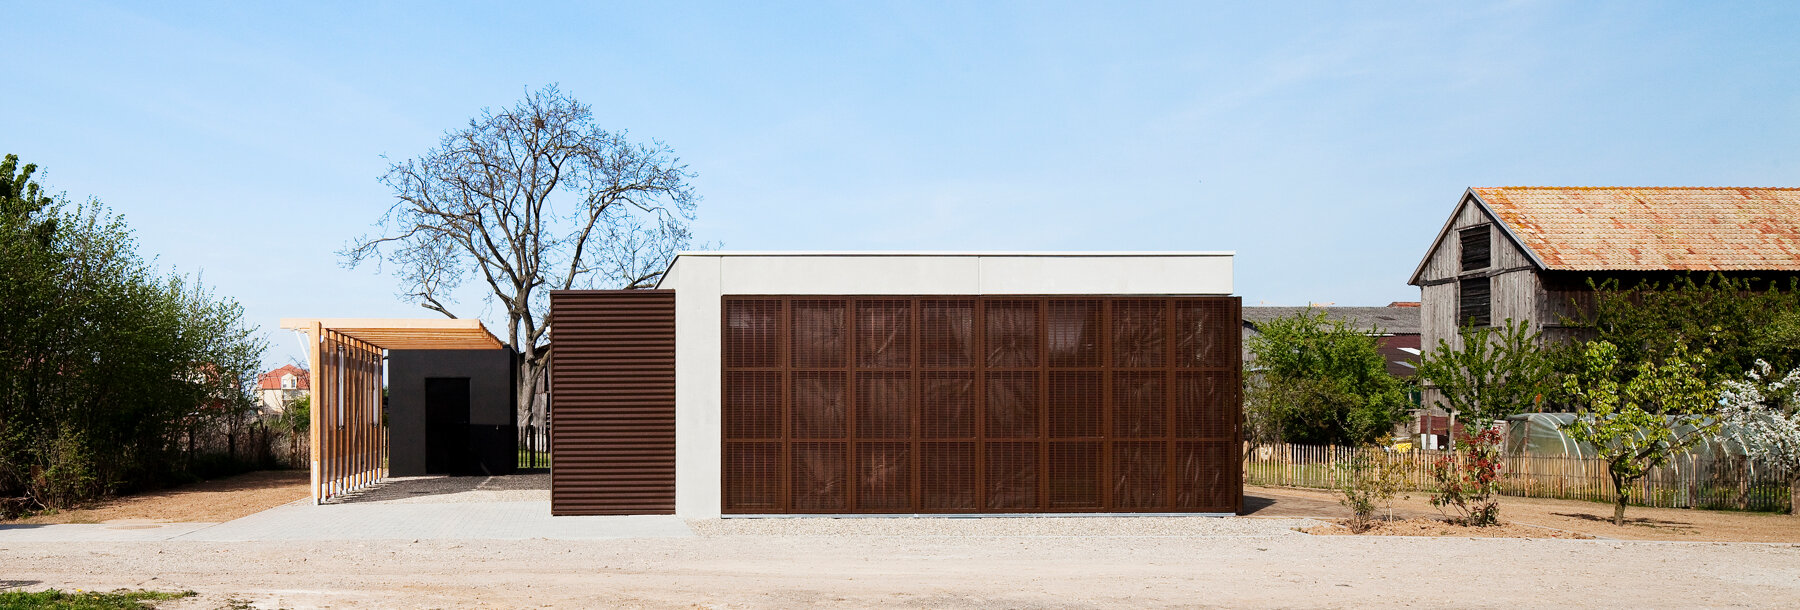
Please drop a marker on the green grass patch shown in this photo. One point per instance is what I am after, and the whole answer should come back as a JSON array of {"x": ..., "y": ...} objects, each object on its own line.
[
  {"x": 526, "y": 457},
  {"x": 85, "y": 600}
]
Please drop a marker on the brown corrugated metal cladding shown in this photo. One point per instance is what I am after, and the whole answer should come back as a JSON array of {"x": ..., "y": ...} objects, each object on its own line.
[
  {"x": 977, "y": 404},
  {"x": 612, "y": 418}
]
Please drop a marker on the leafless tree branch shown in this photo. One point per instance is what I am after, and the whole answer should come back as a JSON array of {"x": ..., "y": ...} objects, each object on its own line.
[{"x": 525, "y": 198}]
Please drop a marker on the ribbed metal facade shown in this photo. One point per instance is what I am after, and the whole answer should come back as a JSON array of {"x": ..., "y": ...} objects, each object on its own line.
[
  {"x": 612, "y": 416},
  {"x": 945, "y": 404}
]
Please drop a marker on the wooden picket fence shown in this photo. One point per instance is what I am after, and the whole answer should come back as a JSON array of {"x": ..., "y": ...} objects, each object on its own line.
[{"x": 1686, "y": 482}]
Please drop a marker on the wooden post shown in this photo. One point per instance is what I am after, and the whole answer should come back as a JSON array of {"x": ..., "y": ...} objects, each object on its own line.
[{"x": 312, "y": 360}]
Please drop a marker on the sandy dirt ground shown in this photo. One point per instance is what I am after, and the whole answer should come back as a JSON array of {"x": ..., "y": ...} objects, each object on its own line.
[
  {"x": 886, "y": 563},
  {"x": 204, "y": 502},
  {"x": 1590, "y": 518},
  {"x": 1434, "y": 526},
  {"x": 1282, "y": 569}
]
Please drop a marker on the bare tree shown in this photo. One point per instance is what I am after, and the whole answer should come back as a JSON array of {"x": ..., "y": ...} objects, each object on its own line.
[{"x": 526, "y": 200}]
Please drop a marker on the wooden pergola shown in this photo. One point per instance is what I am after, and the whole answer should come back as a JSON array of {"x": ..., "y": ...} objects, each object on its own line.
[{"x": 348, "y": 441}]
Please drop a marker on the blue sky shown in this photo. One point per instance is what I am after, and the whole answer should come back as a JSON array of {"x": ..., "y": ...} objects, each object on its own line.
[{"x": 1325, "y": 143}]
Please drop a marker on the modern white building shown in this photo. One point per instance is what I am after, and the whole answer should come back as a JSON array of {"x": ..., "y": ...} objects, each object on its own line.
[{"x": 766, "y": 383}]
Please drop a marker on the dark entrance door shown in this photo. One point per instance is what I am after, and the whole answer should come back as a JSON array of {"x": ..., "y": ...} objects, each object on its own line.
[{"x": 447, "y": 449}]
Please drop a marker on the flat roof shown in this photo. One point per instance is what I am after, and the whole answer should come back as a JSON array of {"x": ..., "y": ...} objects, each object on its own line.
[
  {"x": 404, "y": 333},
  {"x": 1051, "y": 253}
]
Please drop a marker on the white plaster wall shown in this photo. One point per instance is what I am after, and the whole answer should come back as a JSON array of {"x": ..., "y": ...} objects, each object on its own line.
[
  {"x": 702, "y": 279},
  {"x": 698, "y": 432}
]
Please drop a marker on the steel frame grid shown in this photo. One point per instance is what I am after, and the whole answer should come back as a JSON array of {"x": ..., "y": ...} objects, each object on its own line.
[{"x": 848, "y": 470}]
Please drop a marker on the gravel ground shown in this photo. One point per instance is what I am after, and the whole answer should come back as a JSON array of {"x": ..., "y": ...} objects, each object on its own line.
[
  {"x": 1004, "y": 527},
  {"x": 786, "y": 571}
]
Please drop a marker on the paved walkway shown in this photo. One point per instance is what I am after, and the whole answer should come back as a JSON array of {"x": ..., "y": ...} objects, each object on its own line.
[
  {"x": 422, "y": 508},
  {"x": 439, "y": 521},
  {"x": 303, "y": 521},
  {"x": 98, "y": 532}
]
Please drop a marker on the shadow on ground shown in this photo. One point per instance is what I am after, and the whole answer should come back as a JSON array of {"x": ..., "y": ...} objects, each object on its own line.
[
  {"x": 413, "y": 487},
  {"x": 1643, "y": 521}
]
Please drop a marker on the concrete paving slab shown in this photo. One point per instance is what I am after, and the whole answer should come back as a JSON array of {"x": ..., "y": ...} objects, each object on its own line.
[
  {"x": 438, "y": 521},
  {"x": 98, "y": 532}
]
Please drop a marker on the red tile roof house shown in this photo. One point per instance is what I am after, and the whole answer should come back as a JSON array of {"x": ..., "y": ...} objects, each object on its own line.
[
  {"x": 1527, "y": 253},
  {"x": 276, "y": 388}
]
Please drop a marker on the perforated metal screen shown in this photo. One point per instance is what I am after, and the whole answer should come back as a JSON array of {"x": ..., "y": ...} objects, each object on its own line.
[{"x": 981, "y": 404}]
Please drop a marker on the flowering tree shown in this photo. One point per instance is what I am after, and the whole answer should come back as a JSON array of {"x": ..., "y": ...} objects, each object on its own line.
[
  {"x": 1767, "y": 412},
  {"x": 1632, "y": 425}
]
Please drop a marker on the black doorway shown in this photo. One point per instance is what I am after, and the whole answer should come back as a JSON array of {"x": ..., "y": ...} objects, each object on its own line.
[{"x": 447, "y": 448}]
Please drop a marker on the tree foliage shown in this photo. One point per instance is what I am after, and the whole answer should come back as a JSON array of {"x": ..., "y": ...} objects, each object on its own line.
[
  {"x": 1319, "y": 381},
  {"x": 1667, "y": 406},
  {"x": 525, "y": 200},
  {"x": 1497, "y": 372},
  {"x": 104, "y": 364},
  {"x": 1728, "y": 323}
]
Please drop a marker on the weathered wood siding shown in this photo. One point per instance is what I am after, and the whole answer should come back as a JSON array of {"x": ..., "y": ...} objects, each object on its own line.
[{"x": 1518, "y": 292}]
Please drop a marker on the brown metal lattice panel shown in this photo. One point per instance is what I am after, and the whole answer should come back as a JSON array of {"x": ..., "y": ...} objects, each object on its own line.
[
  {"x": 612, "y": 438},
  {"x": 964, "y": 404}
]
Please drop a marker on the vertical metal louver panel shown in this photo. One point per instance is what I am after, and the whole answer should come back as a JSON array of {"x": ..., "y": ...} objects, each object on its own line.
[
  {"x": 1140, "y": 333},
  {"x": 1076, "y": 404},
  {"x": 935, "y": 404},
  {"x": 1012, "y": 333},
  {"x": 612, "y": 433},
  {"x": 817, "y": 329},
  {"x": 947, "y": 333},
  {"x": 1012, "y": 476},
  {"x": 819, "y": 483},
  {"x": 947, "y": 404},
  {"x": 1012, "y": 404},
  {"x": 947, "y": 482},
  {"x": 753, "y": 334},
  {"x": 818, "y": 405},
  {"x": 884, "y": 334},
  {"x": 884, "y": 404},
  {"x": 1203, "y": 331},
  {"x": 884, "y": 477},
  {"x": 1074, "y": 475},
  {"x": 1073, "y": 333}
]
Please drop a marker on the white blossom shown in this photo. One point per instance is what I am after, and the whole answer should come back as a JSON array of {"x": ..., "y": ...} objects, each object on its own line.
[{"x": 1766, "y": 414}]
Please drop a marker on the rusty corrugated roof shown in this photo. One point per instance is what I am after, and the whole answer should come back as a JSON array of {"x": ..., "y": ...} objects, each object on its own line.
[{"x": 1653, "y": 228}]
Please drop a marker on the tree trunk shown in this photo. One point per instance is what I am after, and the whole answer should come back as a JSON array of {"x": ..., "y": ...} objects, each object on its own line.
[
  {"x": 1794, "y": 494},
  {"x": 1620, "y": 494},
  {"x": 530, "y": 376}
]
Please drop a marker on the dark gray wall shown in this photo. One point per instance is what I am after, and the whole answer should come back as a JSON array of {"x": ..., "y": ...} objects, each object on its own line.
[{"x": 491, "y": 405}]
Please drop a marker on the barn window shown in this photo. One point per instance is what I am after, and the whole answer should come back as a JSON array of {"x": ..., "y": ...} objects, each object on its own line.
[
  {"x": 1476, "y": 252},
  {"x": 1474, "y": 302}
]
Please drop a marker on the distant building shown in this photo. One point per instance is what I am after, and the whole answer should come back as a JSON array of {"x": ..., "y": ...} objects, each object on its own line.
[
  {"x": 278, "y": 387},
  {"x": 1528, "y": 253},
  {"x": 1395, "y": 328}
]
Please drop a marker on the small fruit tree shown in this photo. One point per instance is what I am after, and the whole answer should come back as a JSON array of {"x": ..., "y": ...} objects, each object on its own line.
[
  {"x": 1638, "y": 424},
  {"x": 1468, "y": 479}
]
